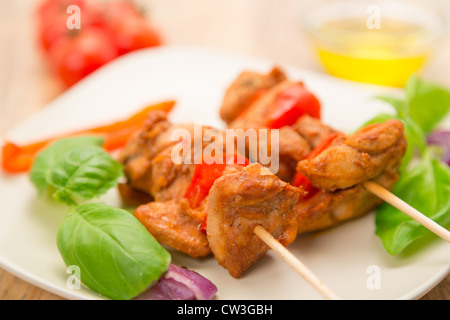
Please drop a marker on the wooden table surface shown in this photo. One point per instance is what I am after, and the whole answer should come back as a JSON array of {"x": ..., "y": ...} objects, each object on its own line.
[{"x": 261, "y": 28}]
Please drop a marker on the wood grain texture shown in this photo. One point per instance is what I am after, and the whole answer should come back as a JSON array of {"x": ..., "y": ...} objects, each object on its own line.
[{"x": 261, "y": 28}]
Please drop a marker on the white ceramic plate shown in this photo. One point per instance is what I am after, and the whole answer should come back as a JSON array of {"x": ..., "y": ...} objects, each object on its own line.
[{"x": 343, "y": 257}]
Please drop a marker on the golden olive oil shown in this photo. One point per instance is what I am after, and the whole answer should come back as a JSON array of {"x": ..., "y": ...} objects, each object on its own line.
[{"x": 387, "y": 54}]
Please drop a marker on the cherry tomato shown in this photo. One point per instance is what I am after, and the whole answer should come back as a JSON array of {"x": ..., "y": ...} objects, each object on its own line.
[
  {"x": 50, "y": 8},
  {"x": 51, "y": 31},
  {"x": 81, "y": 53},
  {"x": 52, "y": 19},
  {"x": 108, "y": 29}
]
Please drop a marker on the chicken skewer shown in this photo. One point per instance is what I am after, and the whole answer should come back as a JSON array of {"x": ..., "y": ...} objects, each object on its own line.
[
  {"x": 174, "y": 221},
  {"x": 173, "y": 217},
  {"x": 352, "y": 164},
  {"x": 261, "y": 198},
  {"x": 264, "y": 201}
]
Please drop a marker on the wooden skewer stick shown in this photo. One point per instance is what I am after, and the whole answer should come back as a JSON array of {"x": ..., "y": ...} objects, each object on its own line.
[
  {"x": 294, "y": 263},
  {"x": 401, "y": 205}
]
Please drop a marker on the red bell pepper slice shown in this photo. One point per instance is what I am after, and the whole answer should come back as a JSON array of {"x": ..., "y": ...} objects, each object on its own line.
[
  {"x": 290, "y": 105},
  {"x": 300, "y": 180},
  {"x": 19, "y": 159},
  {"x": 205, "y": 174},
  {"x": 303, "y": 182}
]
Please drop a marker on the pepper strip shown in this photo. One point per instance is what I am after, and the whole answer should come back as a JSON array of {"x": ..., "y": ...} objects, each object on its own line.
[
  {"x": 204, "y": 177},
  {"x": 291, "y": 104},
  {"x": 19, "y": 159}
]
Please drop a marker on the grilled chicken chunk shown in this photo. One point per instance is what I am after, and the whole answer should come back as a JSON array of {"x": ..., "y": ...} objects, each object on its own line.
[
  {"x": 312, "y": 130},
  {"x": 237, "y": 204},
  {"x": 373, "y": 153},
  {"x": 176, "y": 225},
  {"x": 243, "y": 90},
  {"x": 360, "y": 157},
  {"x": 327, "y": 209},
  {"x": 140, "y": 150}
]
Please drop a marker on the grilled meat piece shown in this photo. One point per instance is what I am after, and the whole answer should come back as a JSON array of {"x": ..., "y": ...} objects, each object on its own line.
[
  {"x": 244, "y": 89},
  {"x": 168, "y": 181},
  {"x": 176, "y": 225},
  {"x": 237, "y": 204},
  {"x": 312, "y": 130},
  {"x": 327, "y": 209},
  {"x": 140, "y": 150},
  {"x": 360, "y": 157}
]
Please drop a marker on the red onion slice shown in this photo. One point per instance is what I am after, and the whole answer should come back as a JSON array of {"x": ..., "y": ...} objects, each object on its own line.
[
  {"x": 180, "y": 284},
  {"x": 202, "y": 288}
]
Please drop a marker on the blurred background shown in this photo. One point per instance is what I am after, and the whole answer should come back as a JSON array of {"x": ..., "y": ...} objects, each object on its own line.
[
  {"x": 270, "y": 29},
  {"x": 40, "y": 58}
]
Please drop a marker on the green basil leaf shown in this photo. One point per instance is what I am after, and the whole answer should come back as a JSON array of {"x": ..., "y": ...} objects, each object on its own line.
[
  {"x": 416, "y": 142},
  {"x": 426, "y": 187},
  {"x": 117, "y": 256},
  {"x": 46, "y": 159},
  {"x": 75, "y": 170},
  {"x": 428, "y": 103},
  {"x": 84, "y": 173}
]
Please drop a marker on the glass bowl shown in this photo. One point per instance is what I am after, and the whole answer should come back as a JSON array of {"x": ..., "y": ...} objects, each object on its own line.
[{"x": 375, "y": 41}]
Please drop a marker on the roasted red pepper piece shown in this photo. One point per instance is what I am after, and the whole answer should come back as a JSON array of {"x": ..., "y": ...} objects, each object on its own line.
[
  {"x": 290, "y": 105},
  {"x": 303, "y": 182},
  {"x": 204, "y": 177},
  {"x": 205, "y": 174},
  {"x": 19, "y": 159}
]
